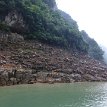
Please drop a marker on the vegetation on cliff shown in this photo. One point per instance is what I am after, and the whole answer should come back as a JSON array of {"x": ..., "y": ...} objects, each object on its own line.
[
  {"x": 44, "y": 22},
  {"x": 94, "y": 50},
  {"x": 30, "y": 30}
]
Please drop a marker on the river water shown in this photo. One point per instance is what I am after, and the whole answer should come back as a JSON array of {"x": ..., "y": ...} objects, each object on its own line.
[{"x": 55, "y": 95}]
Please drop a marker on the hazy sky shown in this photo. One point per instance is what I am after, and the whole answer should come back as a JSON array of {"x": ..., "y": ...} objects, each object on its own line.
[{"x": 91, "y": 16}]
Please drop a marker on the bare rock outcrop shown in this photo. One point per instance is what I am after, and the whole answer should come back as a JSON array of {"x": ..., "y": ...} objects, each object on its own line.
[{"x": 29, "y": 62}]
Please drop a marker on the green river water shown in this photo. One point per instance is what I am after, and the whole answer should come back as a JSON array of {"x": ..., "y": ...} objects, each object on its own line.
[{"x": 55, "y": 95}]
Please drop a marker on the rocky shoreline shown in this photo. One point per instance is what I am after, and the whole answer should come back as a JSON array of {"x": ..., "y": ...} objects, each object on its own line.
[{"x": 28, "y": 62}]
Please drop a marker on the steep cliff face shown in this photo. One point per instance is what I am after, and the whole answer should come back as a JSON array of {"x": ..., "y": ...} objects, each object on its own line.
[
  {"x": 15, "y": 21},
  {"x": 39, "y": 43},
  {"x": 41, "y": 20}
]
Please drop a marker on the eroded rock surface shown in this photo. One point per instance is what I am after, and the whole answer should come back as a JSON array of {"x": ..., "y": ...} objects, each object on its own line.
[{"x": 29, "y": 62}]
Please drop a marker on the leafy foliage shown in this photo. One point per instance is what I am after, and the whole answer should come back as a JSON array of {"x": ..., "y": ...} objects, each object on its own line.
[
  {"x": 4, "y": 27},
  {"x": 45, "y": 24},
  {"x": 94, "y": 50}
]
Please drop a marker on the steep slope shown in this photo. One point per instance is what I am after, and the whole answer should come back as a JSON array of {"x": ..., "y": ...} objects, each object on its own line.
[
  {"x": 69, "y": 19},
  {"x": 41, "y": 20},
  {"x": 31, "y": 62},
  {"x": 39, "y": 43},
  {"x": 94, "y": 50}
]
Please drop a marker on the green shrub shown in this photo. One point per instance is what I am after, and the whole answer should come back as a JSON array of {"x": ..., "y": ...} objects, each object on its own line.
[{"x": 45, "y": 24}]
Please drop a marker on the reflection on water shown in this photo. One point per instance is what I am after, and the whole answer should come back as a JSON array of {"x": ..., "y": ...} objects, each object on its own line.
[{"x": 55, "y": 95}]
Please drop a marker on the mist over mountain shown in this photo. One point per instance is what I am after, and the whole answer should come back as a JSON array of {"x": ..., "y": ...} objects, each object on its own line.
[
  {"x": 105, "y": 53},
  {"x": 95, "y": 50}
]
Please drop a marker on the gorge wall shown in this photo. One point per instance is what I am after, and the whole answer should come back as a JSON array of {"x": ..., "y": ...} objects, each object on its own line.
[{"x": 39, "y": 43}]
